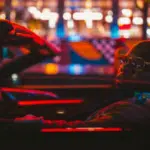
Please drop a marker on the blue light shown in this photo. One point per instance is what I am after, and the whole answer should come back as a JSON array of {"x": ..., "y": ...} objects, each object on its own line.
[
  {"x": 11, "y": 96},
  {"x": 74, "y": 38},
  {"x": 76, "y": 69},
  {"x": 114, "y": 30},
  {"x": 60, "y": 29}
]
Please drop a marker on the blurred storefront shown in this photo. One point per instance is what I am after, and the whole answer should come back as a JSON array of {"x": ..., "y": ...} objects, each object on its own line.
[{"x": 88, "y": 18}]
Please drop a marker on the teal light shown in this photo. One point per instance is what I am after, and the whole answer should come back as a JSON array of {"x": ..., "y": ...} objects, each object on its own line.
[
  {"x": 5, "y": 52},
  {"x": 114, "y": 30}
]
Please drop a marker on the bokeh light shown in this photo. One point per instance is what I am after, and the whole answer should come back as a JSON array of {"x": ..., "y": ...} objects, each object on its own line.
[
  {"x": 127, "y": 12},
  {"x": 76, "y": 69},
  {"x": 51, "y": 69},
  {"x": 14, "y": 77}
]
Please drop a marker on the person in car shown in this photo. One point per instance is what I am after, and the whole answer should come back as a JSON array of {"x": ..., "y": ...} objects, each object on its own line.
[
  {"x": 133, "y": 73},
  {"x": 135, "y": 66}
]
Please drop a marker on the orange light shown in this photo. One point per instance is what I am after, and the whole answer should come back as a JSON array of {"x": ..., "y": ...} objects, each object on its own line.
[
  {"x": 15, "y": 3},
  {"x": 25, "y": 51},
  {"x": 140, "y": 3},
  {"x": 51, "y": 68},
  {"x": 48, "y": 102},
  {"x": 88, "y": 4},
  {"x": 89, "y": 129}
]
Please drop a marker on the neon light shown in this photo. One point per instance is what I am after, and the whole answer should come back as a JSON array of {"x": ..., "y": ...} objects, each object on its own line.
[
  {"x": 28, "y": 91},
  {"x": 66, "y": 86},
  {"x": 28, "y": 117},
  {"x": 48, "y": 102},
  {"x": 90, "y": 129}
]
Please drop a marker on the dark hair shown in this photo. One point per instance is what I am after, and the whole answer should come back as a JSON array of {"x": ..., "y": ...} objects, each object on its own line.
[{"x": 142, "y": 50}]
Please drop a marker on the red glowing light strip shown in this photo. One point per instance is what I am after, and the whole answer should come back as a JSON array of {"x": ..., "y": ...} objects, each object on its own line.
[
  {"x": 66, "y": 86},
  {"x": 46, "y": 130},
  {"x": 27, "y": 91},
  {"x": 48, "y": 102}
]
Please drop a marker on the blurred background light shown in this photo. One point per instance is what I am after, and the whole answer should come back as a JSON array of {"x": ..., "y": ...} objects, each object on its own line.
[
  {"x": 60, "y": 112},
  {"x": 89, "y": 24},
  {"x": 76, "y": 69},
  {"x": 15, "y": 3},
  {"x": 52, "y": 24},
  {"x": 2, "y": 15},
  {"x": 32, "y": 9},
  {"x": 125, "y": 33},
  {"x": 46, "y": 14},
  {"x": 67, "y": 16},
  {"x": 70, "y": 24},
  {"x": 74, "y": 38},
  {"x": 78, "y": 15},
  {"x": 88, "y": 3},
  {"x": 14, "y": 77},
  {"x": 148, "y": 32},
  {"x": 109, "y": 18},
  {"x": 110, "y": 13},
  {"x": 86, "y": 15},
  {"x": 51, "y": 69},
  {"x": 148, "y": 21},
  {"x": 124, "y": 20},
  {"x": 138, "y": 20},
  {"x": 79, "y": 20},
  {"x": 127, "y": 12}
]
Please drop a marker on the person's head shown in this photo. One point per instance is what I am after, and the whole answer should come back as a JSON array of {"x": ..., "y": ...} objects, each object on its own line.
[
  {"x": 142, "y": 49},
  {"x": 135, "y": 64}
]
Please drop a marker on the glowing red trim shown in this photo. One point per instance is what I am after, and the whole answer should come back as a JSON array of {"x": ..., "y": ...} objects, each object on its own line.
[
  {"x": 48, "y": 102},
  {"x": 27, "y": 91},
  {"x": 46, "y": 130}
]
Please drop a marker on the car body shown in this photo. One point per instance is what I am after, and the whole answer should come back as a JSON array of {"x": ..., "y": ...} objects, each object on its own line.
[
  {"x": 111, "y": 118},
  {"x": 24, "y": 49}
]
